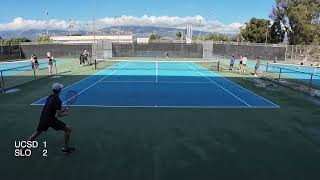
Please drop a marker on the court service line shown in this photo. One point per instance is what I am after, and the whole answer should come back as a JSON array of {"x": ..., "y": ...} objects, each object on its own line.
[
  {"x": 76, "y": 83},
  {"x": 161, "y": 82},
  {"x": 98, "y": 81},
  {"x": 219, "y": 86},
  {"x": 240, "y": 86}
]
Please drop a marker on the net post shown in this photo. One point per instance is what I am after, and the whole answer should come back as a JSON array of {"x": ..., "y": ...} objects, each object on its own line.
[
  {"x": 218, "y": 66},
  {"x": 279, "y": 75},
  {"x": 95, "y": 64},
  {"x": 2, "y": 83},
  {"x": 55, "y": 66},
  {"x": 34, "y": 74},
  {"x": 310, "y": 83}
]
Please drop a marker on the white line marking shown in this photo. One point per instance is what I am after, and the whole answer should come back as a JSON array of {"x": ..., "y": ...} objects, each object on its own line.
[
  {"x": 240, "y": 86},
  {"x": 220, "y": 86},
  {"x": 176, "y": 107},
  {"x": 99, "y": 81},
  {"x": 77, "y": 82},
  {"x": 161, "y": 82},
  {"x": 126, "y": 82}
]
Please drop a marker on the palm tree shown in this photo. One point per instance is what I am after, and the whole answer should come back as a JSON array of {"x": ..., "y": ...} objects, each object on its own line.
[
  {"x": 179, "y": 35},
  {"x": 154, "y": 37}
]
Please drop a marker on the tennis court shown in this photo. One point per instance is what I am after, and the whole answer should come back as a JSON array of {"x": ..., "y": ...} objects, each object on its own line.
[
  {"x": 16, "y": 67},
  {"x": 162, "y": 84},
  {"x": 291, "y": 71}
]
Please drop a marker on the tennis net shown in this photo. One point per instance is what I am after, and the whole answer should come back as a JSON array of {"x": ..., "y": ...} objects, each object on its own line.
[
  {"x": 13, "y": 74},
  {"x": 168, "y": 65}
]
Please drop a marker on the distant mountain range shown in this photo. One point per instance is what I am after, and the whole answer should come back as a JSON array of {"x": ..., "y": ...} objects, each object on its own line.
[{"x": 137, "y": 31}]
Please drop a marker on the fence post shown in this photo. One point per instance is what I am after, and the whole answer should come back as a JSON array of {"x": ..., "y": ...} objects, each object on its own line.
[
  {"x": 280, "y": 75},
  {"x": 285, "y": 56},
  {"x": 310, "y": 85},
  {"x": 2, "y": 83},
  {"x": 20, "y": 53},
  {"x": 292, "y": 53}
]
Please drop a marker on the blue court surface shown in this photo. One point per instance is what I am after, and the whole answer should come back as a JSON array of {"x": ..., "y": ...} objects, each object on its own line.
[{"x": 161, "y": 84}]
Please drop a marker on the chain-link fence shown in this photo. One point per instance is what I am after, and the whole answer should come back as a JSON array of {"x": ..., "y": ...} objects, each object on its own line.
[
  {"x": 10, "y": 52},
  {"x": 56, "y": 50},
  {"x": 158, "y": 49},
  {"x": 308, "y": 55}
]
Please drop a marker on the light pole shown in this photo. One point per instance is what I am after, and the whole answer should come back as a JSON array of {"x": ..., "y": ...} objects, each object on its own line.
[
  {"x": 267, "y": 33},
  {"x": 129, "y": 24},
  {"x": 243, "y": 27},
  {"x": 47, "y": 23},
  {"x": 200, "y": 22},
  {"x": 212, "y": 23},
  {"x": 70, "y": 26},
  {"x": 118, "y": 24},
  {"x": 94, "y": 29},
  {"x": 93, "y": 19}
]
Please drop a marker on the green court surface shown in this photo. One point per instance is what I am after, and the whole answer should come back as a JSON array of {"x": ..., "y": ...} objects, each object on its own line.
[{"x": 165, "y": 143}]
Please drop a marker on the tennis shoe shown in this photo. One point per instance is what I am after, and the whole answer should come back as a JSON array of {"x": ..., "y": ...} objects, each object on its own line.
[{"x": 68, "y": 149}]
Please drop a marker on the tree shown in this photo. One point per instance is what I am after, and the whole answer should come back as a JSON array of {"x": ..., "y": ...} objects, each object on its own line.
[
  {"x": 76, "y": 34},
  {"x": 256, "y": 30},
  {"x": 179, "y": 35},
  {"x": 15, "y": 41},
  {"x": 217, "y": 37},
  {"x": 154, "y": 37},
  {"x": 277, "y": 33},
  {"x": 44, "y": 39},
  {"x": 237, "y": 38},
  {"x": 300, "y": 18},
  {"x": 1, "y": 40}
]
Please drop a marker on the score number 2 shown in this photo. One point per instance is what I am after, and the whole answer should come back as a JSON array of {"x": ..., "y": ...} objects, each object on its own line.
[{"x": 45, "y": 151}]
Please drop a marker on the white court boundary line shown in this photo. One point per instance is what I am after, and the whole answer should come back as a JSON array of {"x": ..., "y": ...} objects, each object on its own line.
[
  {"x": 220, "y": 86},
  {"x": 175, "y": 107},
  {"x": 277, "y": 106},
  {"x": 35, "y": 103},
  {"x": 160, "y": 82}
]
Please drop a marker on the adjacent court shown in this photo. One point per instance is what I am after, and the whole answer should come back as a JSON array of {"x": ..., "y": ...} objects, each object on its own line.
[
  {"x": 15, "y": 68},
  {"x": 162, "y": 84}
]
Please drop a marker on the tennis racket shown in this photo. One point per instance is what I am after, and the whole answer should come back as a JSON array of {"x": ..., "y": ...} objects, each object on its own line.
[{"x": 71, "y": 98}]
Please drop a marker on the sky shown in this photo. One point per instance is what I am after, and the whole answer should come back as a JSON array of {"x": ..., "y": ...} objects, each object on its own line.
[{"x": 209, "y": 15}]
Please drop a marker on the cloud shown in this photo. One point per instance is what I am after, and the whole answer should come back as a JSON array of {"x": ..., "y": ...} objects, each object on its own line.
[
  {"x": 198, "y": 23},
  {"x": 25, "y": 24}
]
